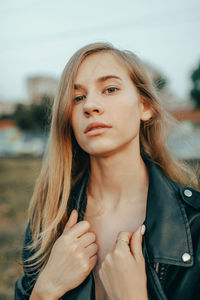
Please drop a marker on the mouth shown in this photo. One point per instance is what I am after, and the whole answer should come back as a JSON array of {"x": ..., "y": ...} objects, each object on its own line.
[{"x": 94, "y": 128}]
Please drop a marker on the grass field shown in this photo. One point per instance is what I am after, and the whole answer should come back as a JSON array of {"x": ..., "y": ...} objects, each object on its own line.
[{"x": 17, "y": 178}]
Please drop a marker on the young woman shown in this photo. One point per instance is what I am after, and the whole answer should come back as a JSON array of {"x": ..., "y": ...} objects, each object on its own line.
[{"x": 107, "y": 175}]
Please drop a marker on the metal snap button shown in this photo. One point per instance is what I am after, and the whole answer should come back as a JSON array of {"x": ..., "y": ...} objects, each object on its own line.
[
  {"x": 186, "y": 257},
  {"x": 187, "y": 193}
]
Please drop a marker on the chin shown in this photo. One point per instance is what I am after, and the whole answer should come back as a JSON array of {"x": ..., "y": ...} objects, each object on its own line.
[
  {"x": 102, "y": 151},
  {"x": 106, "y": 147}
]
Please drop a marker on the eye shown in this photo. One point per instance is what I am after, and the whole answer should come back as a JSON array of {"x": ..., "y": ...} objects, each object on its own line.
[
  {"x": 78, "y": 98},
  {"x": 111, "y": 90}
]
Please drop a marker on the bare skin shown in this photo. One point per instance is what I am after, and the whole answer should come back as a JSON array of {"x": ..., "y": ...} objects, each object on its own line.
[{"x": 107, "y": 227}]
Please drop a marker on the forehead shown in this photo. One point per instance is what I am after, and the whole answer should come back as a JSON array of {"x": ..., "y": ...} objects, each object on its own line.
[{"x": 101, "y": 64}]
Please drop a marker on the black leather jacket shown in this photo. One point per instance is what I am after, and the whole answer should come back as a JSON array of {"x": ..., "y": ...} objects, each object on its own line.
[{"x": 171, "y": 244}]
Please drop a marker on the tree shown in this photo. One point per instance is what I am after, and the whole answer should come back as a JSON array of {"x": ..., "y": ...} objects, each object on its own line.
[
  {"x": 195, "y": 91},
  {"x": 42, "y": 113},
  {"x": 35, "y": 117},
  {"x": 23, "y": 117}
]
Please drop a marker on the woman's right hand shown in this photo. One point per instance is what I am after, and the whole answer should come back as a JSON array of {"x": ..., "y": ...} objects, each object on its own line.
[{"x": 72, "y": 258}]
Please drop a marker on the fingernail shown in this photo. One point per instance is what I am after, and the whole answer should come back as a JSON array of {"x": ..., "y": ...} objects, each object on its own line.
[{"x": 143, "y": 229}]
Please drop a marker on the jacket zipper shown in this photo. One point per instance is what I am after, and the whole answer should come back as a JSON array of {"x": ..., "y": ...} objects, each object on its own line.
[{"x": 161, "y": 270}]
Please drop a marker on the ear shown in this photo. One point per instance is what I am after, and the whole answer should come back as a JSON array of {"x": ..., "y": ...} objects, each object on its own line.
[{"x": 146, "y": 110}]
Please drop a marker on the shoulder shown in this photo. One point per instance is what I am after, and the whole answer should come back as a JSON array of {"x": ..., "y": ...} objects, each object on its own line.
[
  {"x": 25, "y": 284},
  {"x": 189, "y": 203},
  {"x": 28, "y": 252},
  {"x": 189, "y": 200},
  {"x": 188, "y": 195},
  {"x": 191, "y": 197}
]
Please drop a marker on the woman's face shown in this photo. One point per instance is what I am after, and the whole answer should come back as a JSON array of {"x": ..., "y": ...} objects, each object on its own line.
[{"x": 106, "y": 100}]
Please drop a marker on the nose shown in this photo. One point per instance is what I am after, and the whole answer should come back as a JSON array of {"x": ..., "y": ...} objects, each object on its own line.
[{"x": 92, "y": 106}]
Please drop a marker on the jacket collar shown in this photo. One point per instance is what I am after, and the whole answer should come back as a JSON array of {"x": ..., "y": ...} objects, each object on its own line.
[{"x": 167, "y": 235}]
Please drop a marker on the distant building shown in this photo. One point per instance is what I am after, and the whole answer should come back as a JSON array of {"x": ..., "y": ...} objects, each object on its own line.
[
  {"x": 15, "y": 143},
  {"x": 41, "y": 86},
  {"x": 192, "y": 116},
  {"x": 7, "y": 124},
  {"x": 7, "y": 108}
]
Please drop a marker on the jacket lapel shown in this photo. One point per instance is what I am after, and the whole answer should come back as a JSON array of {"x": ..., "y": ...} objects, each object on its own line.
[{"x": 167, "y": 234}]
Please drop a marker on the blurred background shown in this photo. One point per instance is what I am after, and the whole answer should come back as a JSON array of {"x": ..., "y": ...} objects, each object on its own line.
[{"x": 36, "y": 40}]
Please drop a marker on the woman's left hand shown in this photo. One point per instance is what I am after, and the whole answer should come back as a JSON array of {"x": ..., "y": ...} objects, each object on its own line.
[{"x": 123, "y": 269}]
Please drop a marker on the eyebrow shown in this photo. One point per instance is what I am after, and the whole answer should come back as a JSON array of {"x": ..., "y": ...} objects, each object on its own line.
[{"x": 99, "y": 80}]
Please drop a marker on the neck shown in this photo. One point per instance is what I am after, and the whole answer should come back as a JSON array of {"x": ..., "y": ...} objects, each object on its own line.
[{"x": 118, "y": 179}]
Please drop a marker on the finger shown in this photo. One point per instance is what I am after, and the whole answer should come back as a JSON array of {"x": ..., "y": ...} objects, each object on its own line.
[
  {"x": 124, "y": 235},
  {"x": 74, "y": 228},
  {"x": 92, "y": 250},
  {"x": 71, "y": 221},
  {"x": 93, "y": 260},
  {"x": 80, "y": 228},
  {"x": 87, "y": 239},
  {"x": 123, "y": 238},
  {"x": 136, "y": 243}
]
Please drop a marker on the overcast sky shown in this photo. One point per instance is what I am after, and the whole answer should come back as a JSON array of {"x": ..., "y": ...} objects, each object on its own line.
[{"x": 39, "y": 36}]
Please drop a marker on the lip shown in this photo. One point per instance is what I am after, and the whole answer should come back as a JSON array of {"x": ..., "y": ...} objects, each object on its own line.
[{"x": 95, "y": 126}]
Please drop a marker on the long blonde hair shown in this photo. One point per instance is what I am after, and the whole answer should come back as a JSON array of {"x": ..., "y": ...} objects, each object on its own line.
[{"x": 65, "y": 162}]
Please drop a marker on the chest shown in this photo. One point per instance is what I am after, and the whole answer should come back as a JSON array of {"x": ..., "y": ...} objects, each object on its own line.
[{"x": 106, "y": 229}]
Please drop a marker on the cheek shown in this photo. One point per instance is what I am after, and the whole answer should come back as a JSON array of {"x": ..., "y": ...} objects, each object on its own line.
[
  {"x": 127, "y": 115},
  {"x": 75, "y": 120}
]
